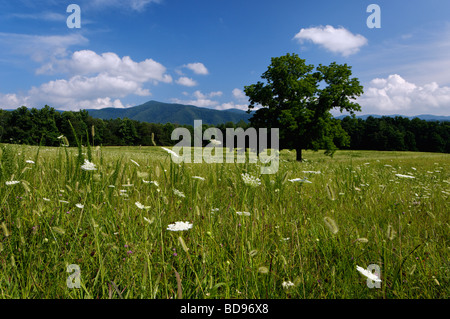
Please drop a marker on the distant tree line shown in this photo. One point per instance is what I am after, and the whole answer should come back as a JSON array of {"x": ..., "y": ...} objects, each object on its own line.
[
  {"x": 397, "y": 134},
  {"x": 45, "y": 126}
]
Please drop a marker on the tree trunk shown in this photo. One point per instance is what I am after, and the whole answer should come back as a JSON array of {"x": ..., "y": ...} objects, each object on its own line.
[{"x": 299, "y": 154}]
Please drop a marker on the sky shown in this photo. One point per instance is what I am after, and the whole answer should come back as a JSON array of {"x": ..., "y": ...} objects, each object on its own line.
[{"x": 203, "y": 52}]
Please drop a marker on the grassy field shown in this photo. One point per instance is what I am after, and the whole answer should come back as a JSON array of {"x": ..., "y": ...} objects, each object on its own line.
[{"x": 274, "y": 239}]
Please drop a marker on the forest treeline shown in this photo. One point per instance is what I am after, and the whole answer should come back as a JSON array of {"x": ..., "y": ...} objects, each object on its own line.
[{"x": 45, "y": 126}]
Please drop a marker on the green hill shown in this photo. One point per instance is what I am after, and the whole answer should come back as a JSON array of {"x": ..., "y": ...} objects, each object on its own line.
[{"x": 158, "y": 112}]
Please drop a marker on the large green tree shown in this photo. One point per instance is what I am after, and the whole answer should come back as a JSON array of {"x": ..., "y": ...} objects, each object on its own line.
[{"x": 297, "y": 98}]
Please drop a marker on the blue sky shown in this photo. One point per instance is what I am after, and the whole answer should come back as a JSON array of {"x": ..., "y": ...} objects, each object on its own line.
[{"x": 204, "y": 52}]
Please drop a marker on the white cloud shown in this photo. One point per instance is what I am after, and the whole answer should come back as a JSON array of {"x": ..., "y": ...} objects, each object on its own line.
[
  {"x": 338, "y": 40},
  {"x": 11, "y": 101},
  {"x": 40, "y": 47},
  {"x": 207, "y": 100},
  {"x": 185, "y": 81},
  {"x": 86, "y": 62},
  {"x": 395, "y": 95},
  {"x": 95, "y": 81},
  {"x": 200, "y": 99},
  {"x": 197, "y": 68},
  {"x": 239, "y": 95},
  {"x": 232, "y": 105}
]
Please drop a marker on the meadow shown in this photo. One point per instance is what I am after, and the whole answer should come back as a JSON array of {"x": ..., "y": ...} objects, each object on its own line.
[{"x": 299, "y": 233}]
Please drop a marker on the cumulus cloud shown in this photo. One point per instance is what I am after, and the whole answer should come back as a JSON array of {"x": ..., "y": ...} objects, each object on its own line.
[
  {"x": 185, "y": 81},
  {"x": 87, "y": 62},
  {"x": 95, "y": 81},
  {"x": 12, "y": 101},
  {"x": 200, "y": 99},
  {"x": 197, "y": 68},
  {"x": 395, "y": 95},
  {"x": 336, "y": 40},
  {"x": 232, "y": 105},
  {"x": 239, "y": 95},
  {"x": 209, "y": 100}
]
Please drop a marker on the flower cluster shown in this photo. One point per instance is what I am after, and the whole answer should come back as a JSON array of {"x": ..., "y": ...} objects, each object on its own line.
[
  {"x": 178, "y": 193},
  {"x": 12, "y": 182},
  {"x": 88, "y": 166},
  {"x": 179, "y": 226},
  {"x": 250, "y": 180}
]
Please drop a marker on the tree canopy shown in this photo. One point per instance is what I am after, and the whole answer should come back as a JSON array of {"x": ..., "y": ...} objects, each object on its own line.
[{"x": 297, "y": 99}]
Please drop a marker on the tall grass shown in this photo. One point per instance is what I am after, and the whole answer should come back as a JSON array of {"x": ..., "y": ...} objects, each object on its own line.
[{"x": 355, "y": 211}]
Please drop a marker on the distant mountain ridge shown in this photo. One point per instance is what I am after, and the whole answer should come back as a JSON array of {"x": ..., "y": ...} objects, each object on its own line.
[
  {"x": 426, "y": 117},
  {"x": 159, "y": 112}
]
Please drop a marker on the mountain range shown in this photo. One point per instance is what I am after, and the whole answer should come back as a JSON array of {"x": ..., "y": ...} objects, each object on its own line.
[
  {"x": 426, "y": 117},
  {"x": 158, "y": 112}
]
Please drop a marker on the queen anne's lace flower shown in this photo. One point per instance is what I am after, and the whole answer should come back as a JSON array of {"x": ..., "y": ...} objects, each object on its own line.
[
  {"x": 12, "y": 182},
  {"x": 178, "y": 193},
  {"x": 88, "y": 166},
  {"x": 250, "y": 180},
  {"x": 179, "y": 226},
  {"x": 243, "y": 213}
]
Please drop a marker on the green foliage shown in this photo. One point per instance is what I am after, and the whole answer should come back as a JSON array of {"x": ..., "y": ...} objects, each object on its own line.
[
  {"x": 46, "y": 126},
  {"x": 298, "y": 98},
  {"x": 355, "y": 212}
]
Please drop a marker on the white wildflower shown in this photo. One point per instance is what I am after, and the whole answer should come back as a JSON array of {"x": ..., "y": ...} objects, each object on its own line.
[
  {"x": 404, "y": 176},
  {"x": 287, "y": 284},
  {"x": 243, "y": 213},
  {"x": 140, "y": 206},
  {"x": 178, "y": 193},
  {"x": 88, "y": 166},
  {"x": 250, "y": 180},
  {"x": 29, "y": 162},
  {"x": 12, "y": 182},
  {"x": 179, "y": 226},
  {"x": 79, "y": 205},
  {"x": 198, "y": 177},
  {"x": 312, "y": 172},
  {"x": 148, "y": 220}
]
